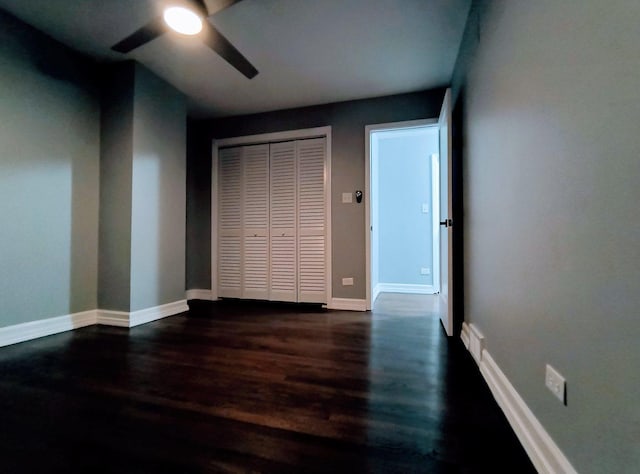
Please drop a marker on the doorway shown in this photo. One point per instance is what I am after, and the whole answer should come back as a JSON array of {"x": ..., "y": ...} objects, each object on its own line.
[
  {"x": 403, "y": 209},
  {"x": 440, "y": 209}
]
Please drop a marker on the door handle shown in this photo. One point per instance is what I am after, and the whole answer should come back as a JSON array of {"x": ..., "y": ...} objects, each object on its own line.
[{"x": 447, "y": 223}]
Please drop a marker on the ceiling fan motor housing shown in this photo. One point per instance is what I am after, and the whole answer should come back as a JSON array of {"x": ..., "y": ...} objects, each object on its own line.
[{"x": 197, "y": 6}]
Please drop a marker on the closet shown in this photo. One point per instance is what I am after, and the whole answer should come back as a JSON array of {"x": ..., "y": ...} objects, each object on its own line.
[{"x": 272, "y": 221}]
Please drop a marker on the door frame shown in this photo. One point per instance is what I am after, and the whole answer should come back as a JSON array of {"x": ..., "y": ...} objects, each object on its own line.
[
  {"x": 369, "y": 129},
  {"x": 317, "y": 132}
]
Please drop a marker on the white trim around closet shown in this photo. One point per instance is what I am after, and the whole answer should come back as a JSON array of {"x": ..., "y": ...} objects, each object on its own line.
[{"x": 305, "y": 133}]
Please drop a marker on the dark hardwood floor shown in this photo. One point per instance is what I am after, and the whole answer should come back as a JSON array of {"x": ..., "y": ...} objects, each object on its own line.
[{"x": 246, "y": 387}]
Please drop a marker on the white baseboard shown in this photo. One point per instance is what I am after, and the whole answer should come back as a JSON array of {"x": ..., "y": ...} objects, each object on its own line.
[
  {"x": 46, "y": 327},
  {"x": 544, "y": 453},
  {"x": 135, "y": 318},
  {"x": 199, "y": 295},
  {"x": 158, "y": 312},
  {"x": 464, "y": 335},
  {"x": 403, "y": 288},
  {"x": 113, "y": 318},
  {"x": 347, "y": 304},
  {"x": 476, "y": 343},
  {"x": 375, "y": 293}
]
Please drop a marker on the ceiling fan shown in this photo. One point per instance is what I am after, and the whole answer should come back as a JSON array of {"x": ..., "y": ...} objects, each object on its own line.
[{"x": 189, "y": 17}]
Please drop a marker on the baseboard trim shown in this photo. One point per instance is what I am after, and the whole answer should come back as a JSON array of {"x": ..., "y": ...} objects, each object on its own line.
[
  {"x": 544, "y": 453},
  {"x": 347, "y": 304},
  {"x": 476, "y": 343},
  {"x": 404, "y": 288},
  {"x": 197, "y": 294},
  {"x": 113, "y": 318},
  {"x": 158, "y": 312},
  {"x": 375, "y": 293},
  {"x": 136, "y": 318},
  {"x": 49, "y": 326},
  {"x": 46, "y": 327},
  {"x": 464, "y": 335}
]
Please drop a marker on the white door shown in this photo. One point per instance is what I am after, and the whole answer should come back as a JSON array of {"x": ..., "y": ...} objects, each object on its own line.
[
  {"x": 255, "y": 220},
  {"x": 272, "y": 218},
  {"x": 312, "y": 239},
  {"x": 282, "y": 203},
  {"x": 230, "y": 223},
  {"x": 446, "y": 232}
]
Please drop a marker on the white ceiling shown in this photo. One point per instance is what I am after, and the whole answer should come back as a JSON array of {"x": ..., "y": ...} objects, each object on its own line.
[{"x": 306, "y": 51}]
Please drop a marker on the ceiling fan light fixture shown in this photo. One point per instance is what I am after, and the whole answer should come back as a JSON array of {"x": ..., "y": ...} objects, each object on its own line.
[{"x": 183, "y": 20}]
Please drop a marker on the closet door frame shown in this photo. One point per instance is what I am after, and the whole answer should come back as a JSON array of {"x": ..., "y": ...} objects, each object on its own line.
[{"x": 317, "y": 132}]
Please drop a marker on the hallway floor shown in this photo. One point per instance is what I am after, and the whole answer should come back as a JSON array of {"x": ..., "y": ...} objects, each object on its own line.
[{"x": 400, "y": 304}]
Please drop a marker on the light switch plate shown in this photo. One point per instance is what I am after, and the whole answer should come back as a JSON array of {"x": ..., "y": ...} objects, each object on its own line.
[
  {"x": 347, "y": 198},
  {"x": 425, "y": 208}
]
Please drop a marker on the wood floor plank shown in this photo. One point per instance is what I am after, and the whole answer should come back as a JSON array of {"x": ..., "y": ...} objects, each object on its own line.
[{"x": 238, "y": 386}]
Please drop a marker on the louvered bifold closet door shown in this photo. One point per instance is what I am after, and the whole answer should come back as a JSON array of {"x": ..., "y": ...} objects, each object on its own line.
[
  {"x": 282, "y": 202},
  {"x": 312, "y": 237},
  {"x": 230, "y": 223},
  {"x": 255, "y": 214}
]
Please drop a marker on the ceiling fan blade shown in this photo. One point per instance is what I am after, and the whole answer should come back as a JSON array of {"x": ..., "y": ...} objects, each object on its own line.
[
  {"x": 151, "y": 30},
  {"x": 221, "y": 45},
  {"x": 215, "y": 6}
]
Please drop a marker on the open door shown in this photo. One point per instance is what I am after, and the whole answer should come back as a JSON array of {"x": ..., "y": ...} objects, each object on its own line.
[{"x": 446, "y": 232}]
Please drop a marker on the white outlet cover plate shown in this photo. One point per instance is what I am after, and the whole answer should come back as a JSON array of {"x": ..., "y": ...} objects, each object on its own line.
[
  {"x": 347, "y": 281},
  {"x": 347, "y": 198},
  {"x": 556, "y": 383}
]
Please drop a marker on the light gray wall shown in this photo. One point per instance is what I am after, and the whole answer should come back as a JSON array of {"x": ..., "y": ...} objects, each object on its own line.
[
  {"x": 347, "y": 120},
  {"x": 92, "y": 182},
  {"x": 142, "y": 221},
  {"x": 552, "y": 221},
  {"x": 158, "y": 193},
  {"x": 116, "y": 167},
  {"x": 49, "y": 172},
  {"x": 404, "y": 185}
]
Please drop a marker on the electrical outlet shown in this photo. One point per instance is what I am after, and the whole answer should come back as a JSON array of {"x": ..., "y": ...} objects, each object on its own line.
[
  {"x": 347, "y": 198},
  {"x": 556, "y": 383},
  {"x": 425, "y": 271},
  {"x": 347, "y": 282}
]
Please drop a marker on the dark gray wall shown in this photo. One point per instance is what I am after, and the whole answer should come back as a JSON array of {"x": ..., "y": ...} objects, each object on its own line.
[
  {"x": 49, "y": 172},
  {"x": 198, "y": 207},
  {"x": 116, "y": 151},
  {"x": 348, "y": 120},
  {"x": 552, "y": 222},
  {"x": 468, "y": 47},
  {"x": 158, "y": 218}
]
